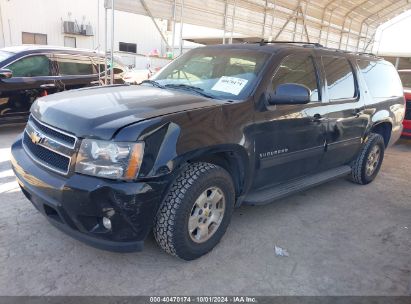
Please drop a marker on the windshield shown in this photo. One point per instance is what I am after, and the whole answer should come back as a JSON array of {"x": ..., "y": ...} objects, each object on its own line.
[
  {"x": 406, "y": 79},
  {"x": 215, "y": 72},
  {"x": 4, "y": 55}
]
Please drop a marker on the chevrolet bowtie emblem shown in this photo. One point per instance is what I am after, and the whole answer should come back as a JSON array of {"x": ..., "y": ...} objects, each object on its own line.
[{"x": 35, "y": 137}]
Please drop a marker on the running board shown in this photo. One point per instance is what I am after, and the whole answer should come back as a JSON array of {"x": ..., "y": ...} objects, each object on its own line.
[{"x": 267, "y": 195}]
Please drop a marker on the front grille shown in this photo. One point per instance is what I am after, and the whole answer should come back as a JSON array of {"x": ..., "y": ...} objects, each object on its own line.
[
  {"x": 48, "y": 146},
  {"x": 408, "y": 111},
  {"x": 64, "y": 138},
  {"x": 46, "y": 156}
]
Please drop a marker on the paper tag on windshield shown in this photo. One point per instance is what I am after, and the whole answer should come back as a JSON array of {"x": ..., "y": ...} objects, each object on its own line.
[{"x": 230, "y": 85}]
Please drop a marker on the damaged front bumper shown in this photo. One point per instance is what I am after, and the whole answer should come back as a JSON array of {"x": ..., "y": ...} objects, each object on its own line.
[{"x": 77, "y": 204}]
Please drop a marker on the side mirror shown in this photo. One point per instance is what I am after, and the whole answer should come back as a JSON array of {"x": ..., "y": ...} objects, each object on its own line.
[
  {"x": 5, "y": 73},
  {"x": 290, "y": 93}
]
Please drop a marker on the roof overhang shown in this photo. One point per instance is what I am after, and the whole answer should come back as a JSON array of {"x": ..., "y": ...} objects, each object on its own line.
[{"x": 344, "y": 24}]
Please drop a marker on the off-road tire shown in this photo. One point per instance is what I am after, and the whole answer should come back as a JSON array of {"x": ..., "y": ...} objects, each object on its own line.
[
  {"x": 170, "y": 226},
  {"x": 358, "y": 173}
]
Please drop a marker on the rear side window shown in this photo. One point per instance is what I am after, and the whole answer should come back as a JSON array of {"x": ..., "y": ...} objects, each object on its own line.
[
  {"x": 297, "y": 69},
  {"x": 381, "y": 77},
  {"x": 340, "y": 78},
  {"x": 73, "y": 65},
  {"x": 31, "y": 66}
]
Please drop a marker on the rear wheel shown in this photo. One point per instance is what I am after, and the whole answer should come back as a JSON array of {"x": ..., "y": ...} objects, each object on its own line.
[
  {"x": 368, "y": 163},
  {"x": 196, "y": 211}
]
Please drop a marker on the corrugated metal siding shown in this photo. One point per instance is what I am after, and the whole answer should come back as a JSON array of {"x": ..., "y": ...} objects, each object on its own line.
[{"x": 347, "y": 24}]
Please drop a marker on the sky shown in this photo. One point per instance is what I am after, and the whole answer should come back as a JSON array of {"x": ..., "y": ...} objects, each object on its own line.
[{"x": 394, "y": 36}]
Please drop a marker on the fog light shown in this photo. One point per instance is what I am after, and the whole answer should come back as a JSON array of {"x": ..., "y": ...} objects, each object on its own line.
[{"x": 107, "y": 223}]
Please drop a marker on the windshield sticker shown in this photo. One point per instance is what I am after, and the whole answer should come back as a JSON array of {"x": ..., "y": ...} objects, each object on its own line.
[{"x": 230, "y": 85}]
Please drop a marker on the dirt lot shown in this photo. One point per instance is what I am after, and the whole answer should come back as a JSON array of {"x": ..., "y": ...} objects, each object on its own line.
[{"x": 342, "y": 239}]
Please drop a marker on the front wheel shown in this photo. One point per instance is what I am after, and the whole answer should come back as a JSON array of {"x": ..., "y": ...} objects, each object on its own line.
[
  {"x": 196, "y": 211},
  {"x": 368, "y": 163}
]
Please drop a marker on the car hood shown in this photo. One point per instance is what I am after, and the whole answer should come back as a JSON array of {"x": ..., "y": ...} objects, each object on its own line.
[{"x": 100, "y": 112}]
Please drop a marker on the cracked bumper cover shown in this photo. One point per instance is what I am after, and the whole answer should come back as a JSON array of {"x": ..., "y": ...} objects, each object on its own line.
[{"x": 77, "y": 203}]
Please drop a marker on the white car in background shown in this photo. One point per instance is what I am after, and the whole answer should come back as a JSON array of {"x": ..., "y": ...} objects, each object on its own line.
[{"x": 136, "y": 76}]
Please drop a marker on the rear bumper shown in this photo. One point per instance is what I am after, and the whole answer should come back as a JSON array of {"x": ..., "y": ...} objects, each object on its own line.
[
  {"x": 395, "y": 134},
  {"x": 77, "y": 204}
]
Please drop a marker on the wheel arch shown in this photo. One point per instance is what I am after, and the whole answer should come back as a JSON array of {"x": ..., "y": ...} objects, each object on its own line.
[
  {"x": 384, "y": 128},
  {"x": 233, "y": 158}
]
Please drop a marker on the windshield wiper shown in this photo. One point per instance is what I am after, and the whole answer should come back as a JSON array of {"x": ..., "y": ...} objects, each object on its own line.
[
  {"x": 153, "y": 83},
  {"x": 189, "y": 88}
]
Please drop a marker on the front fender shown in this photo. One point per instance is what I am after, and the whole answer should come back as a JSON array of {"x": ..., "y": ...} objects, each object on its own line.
[{"x": 174, "y": 139}]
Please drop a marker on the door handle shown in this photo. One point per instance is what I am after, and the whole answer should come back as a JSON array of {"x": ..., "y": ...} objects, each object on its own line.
[
  {"x": 48, "y": 86},
  {"x": 317, "y": 118}
]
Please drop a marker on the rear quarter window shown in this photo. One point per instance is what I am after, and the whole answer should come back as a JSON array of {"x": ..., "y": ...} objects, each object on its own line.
[
  {"x": 381, "y": 78},
  {"x": 75, "y": 65}
]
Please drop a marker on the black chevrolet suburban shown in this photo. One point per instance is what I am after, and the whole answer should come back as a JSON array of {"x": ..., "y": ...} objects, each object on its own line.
[
  {"x": 30, "y": 71},
  {"x": 219, "y": 127}
]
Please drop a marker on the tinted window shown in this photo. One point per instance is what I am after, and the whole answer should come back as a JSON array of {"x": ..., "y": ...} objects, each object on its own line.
[
  {"x": 381, "y": 77},
  {"x": 31, "y": 66},
  {"x": 340, "y": 78},
  {"x": 405, "y": 78},
  {"x": 297, "y": 69},
  {"x": 75, "y": 65},
  {"x": 127, "y": 47}
]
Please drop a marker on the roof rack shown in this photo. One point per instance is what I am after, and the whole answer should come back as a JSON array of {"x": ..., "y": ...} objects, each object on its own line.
[
  {"x": 367, "y": 53},
  {"x": 350, "y": 52},
  {"x": 316, "y": 44}
]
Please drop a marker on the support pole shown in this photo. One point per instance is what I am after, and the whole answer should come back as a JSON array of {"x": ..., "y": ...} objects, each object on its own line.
[
  {"x": 105, "y": 46},
  {"x": 98, "y": 38},
  {"x": 305, "y": 25},
  {"x": 285, "y": 24},
  {"x": 296, "y": 23},
  {"x": 265, "y": 18},
  {"x": 369, "y": 42},
  {"x": 112, "y": 44},
  {"x": 348, "y": 36},
  {"x": 297, "y": 16},
  {"x": 232, "y": 22},
  {"x": 181, "y": 26},
  {"x": 366, "y": 36},
  {"x": 225, "y": 20},
  {"x": 173, "y": 40},
  {"x": 328, "y": 28},
  {"x": 144, "y": 4},
  {"x": 272, "y": 23},
  {"x": 397, "y": 62},
  {"x": 359, "y": 36}
]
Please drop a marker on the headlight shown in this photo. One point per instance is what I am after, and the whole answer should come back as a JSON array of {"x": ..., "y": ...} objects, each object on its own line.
[{"x": 109, "y": 159}]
